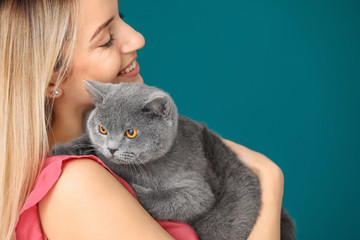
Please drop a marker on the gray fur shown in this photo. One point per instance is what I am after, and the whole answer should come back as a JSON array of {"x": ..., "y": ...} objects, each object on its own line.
[{"x": 178, "y": 168}]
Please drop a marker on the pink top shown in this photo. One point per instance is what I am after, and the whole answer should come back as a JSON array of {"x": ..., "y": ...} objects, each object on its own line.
[{"x": 28, "y": 226}]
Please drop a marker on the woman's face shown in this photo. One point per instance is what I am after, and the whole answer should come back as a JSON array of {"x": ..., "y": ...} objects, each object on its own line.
[{"x": 105, "y": 47}]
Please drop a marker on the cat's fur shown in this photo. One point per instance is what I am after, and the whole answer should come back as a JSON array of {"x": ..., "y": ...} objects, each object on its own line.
[{"x": 178, "y": 168}]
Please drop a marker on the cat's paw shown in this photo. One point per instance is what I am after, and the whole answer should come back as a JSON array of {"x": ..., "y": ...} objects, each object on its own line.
[{"x": 61, "y": 149}]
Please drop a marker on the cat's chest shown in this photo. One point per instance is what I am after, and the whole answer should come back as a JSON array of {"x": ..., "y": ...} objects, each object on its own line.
[
  {"x": 173, "y": 165},
  {"x": 179, "y": 164}
]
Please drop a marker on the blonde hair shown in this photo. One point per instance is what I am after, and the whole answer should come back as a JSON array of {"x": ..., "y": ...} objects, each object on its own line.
[{"x": 36, "y": 42}]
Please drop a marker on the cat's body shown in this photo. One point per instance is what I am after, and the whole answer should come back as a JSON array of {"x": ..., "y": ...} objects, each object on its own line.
[{"x": 179, "y": 169}]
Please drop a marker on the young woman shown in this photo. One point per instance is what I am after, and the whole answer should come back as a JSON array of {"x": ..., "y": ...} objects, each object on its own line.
[{"x": 47, "y": 48}]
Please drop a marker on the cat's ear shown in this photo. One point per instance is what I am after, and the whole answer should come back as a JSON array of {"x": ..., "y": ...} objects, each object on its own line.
[
  {"x": 96, "y": 90},
  {"x": 159, "y": 104}
]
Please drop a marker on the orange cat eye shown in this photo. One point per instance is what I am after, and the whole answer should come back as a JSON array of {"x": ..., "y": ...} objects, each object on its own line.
[
  {"x": 131, "y": 133},
  {"x": 102, "y": 130}
]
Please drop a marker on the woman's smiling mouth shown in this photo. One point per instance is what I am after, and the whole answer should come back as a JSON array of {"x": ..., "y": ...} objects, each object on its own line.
[{"x": 130, "y": 70}]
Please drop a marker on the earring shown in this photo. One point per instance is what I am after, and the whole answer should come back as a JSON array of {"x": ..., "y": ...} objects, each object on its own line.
[{"x": 55, "y": 93}]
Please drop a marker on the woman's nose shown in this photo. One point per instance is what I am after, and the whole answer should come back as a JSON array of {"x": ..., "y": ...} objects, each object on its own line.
[{"x": 131, "y": 40}]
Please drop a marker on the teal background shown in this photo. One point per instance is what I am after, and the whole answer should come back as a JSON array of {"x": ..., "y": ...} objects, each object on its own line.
[{"x": 280, "y": 77}]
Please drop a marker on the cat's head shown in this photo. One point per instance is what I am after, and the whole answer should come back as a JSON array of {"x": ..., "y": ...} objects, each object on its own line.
[{"x": 131, "y": 122}]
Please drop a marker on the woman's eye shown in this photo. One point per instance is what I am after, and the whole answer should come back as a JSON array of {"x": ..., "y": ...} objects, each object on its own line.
[
  {"x": 102, "y": 130},
  {"x": 109, "y": 43},
  {"x": 131, "y": 133}
]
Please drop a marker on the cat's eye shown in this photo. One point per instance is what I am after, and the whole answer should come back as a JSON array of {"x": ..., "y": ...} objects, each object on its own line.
[
  {"x": 131, "y": 133},
  {"x": 102, "y": 130}
]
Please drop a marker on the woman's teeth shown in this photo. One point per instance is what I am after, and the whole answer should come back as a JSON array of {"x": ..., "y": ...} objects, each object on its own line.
[{"x": 129, "y": 69}]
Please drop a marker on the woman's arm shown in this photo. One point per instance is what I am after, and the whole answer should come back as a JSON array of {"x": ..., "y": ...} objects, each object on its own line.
[
  {"x": 80, "y": 207},
  {"x": 88, "y": 202},
  {"x": 271, "y": 178}
]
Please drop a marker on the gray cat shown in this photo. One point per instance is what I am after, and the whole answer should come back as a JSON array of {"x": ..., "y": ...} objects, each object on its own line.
[{"x": 178, "y": 168}]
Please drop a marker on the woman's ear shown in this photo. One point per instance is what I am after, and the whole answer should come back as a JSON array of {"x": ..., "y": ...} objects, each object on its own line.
[{"x": 53, "y": 91}]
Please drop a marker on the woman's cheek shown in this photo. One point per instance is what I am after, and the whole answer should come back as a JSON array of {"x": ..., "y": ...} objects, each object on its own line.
[
  {"x": 108, "y": 67},
  {"x": 75, "y": 92}
]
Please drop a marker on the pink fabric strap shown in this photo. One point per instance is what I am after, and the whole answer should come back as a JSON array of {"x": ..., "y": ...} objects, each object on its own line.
[{"x": 28, "y": 226}]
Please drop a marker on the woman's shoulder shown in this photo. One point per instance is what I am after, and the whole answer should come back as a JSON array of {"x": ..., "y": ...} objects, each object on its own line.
[
  {"x": 78, "y": 197},
  {"x": 79, "y": 177},
  {"x": 88, "y": 202}
]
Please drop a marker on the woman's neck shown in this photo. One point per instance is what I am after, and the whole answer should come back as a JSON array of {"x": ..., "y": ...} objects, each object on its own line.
[{"x": 66, "y": 126}]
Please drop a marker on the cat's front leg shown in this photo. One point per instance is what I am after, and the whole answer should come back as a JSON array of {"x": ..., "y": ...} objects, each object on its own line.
[{"x": 80, "y": 146}]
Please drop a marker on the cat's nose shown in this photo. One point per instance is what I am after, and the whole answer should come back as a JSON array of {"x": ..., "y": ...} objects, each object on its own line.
[{"x": 112, "y": 150}]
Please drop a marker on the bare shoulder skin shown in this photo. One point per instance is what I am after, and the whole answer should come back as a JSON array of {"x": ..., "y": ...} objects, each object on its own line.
[{"x": 94, "y": 205}]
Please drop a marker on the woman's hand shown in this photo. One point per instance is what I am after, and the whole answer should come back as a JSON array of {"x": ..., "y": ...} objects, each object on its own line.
[{"x": 271, "y": 178}]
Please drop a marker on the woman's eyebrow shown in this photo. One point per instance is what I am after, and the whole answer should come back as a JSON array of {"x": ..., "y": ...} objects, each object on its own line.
[{"x": 101, "y": 27}]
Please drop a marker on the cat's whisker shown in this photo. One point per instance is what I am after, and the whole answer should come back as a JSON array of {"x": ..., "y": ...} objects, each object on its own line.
[
  {"x": 136, "y": 165},
  {"x": 131, "y": 169},
  {"x": 152, "y": 170},
  {"x": 141, "y": 169}
]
